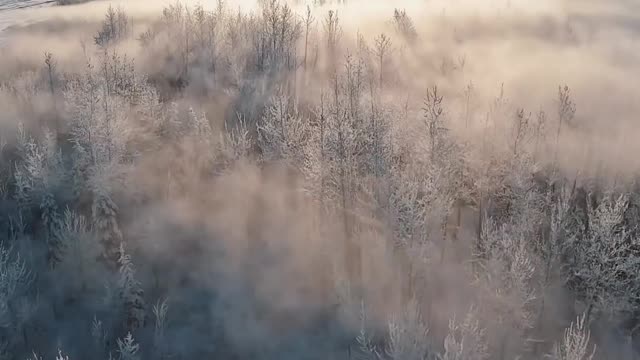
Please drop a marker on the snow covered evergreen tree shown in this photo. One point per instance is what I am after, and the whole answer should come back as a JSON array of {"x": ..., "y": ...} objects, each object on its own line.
[
  {"x": 130, "y": 292},
  {"x": 104, "y": 214}
]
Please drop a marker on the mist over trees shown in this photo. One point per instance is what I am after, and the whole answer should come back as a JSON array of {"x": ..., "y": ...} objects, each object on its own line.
[{"x": 224, "y": 183}]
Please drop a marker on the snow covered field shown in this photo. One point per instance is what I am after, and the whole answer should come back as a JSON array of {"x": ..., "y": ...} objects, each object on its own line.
[
  {"x": 14, "y": 12},
  {"x": 21, "y": 4}
]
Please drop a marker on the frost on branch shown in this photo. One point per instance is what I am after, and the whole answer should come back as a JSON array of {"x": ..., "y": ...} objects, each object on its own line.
[
  {"x": 575, "y": 343},
  {"x": 466, "y": 340}
]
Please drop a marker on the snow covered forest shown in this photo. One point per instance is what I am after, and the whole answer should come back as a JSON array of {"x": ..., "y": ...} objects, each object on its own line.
[{"x": 419, "y": 180}]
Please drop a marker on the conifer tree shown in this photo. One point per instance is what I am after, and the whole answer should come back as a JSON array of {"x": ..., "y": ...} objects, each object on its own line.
[
  {"x": 105, "y": 222},
  {"x": 131, "y": 292}
]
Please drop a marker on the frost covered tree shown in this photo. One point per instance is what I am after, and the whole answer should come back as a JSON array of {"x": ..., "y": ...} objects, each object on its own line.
[
  {"x": 60, "y": 355},
  {"x": 433, "y": 117},
  {"x": 278, "y": 36},
  {"x": 14, "y": 277},
  {"x": 603, "y": 259},
  {"x": 144, "y": 160},
  {"x": 412, "y": 201},
  {"x": 97, "y": 102},
  {"x": 466, "y": 340},
  {"x": 283, "y": 133},
  {"x": 235, "y": 143},
  {"x": 38, "y": 178},
  {"x": 308, "y": 21},
  {"x": 382, "y": 47},
  {"x": 404, "y": 25},
  {"x": 575, "y": 344},
  {"x": 407, "y": 337},
  {"x": 160, "y": 310},
  {"x": 79, "y": 249},
  {"x": 128, "y": 349},
  {"x": 130, "y": 292},
  {"x": 115, "y": 26},
  {"x": 507, "y": 276},
  {"x": 28, "y": 175},
  {"x": 333, "y": 33},
  {"x": 343, "y": 147},
  {"x": 15, "y": 280},
  {"x": 520, "y": 130},
  {"x": 566, "y": 115},
  {"x": 105, "y": 221}
]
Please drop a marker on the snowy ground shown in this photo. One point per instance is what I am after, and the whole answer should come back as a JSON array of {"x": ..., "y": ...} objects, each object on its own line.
[
  {"x": 21, "y": 4},
  {"x": 14, "y": 12}
]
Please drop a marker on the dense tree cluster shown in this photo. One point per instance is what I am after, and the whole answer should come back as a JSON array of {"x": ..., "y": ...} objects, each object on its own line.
[{"x": 310, "y": 212}]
